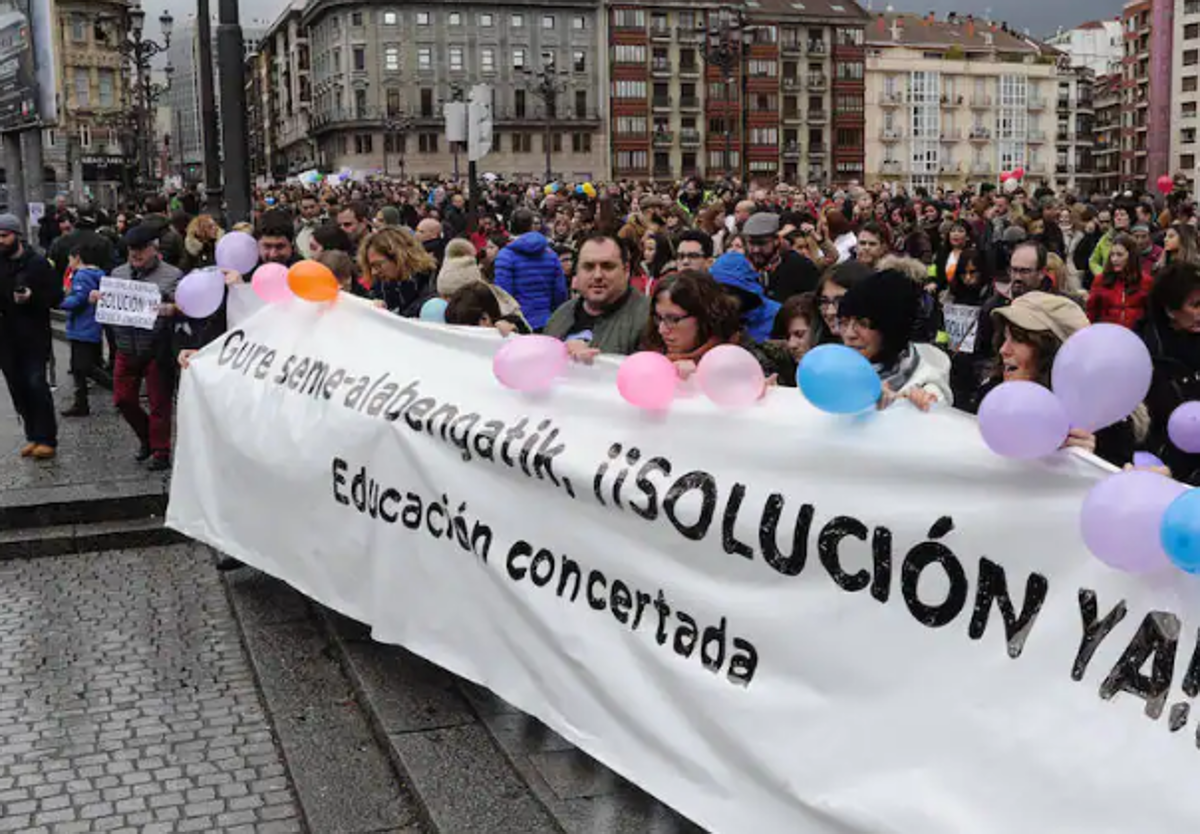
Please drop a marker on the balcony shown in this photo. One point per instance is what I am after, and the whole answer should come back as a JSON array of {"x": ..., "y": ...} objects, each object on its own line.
[
  {"x": 689, "y": 70},
  {"x": 1037, "y": 137},
  {"x": 791, "y": 83},
  {"x": 980, "y": 134},
  {"x": 661, "y": 103},
  {"x": 950, "y": 168},
  {"x": 1037, "y": 103},
  {"x": 891, "y": 168},
  {"x": 981, "y": 168},
  {"x": 892, "y": 99},
  {"x": 791, "y": 150},
  {"x": 663, "y": 138},
  {"x": 660, "y": 66},
  {"x": 790, "y": 45},
  {"x": 953, "y": 101},
  {"x": 817, "y": 48},
  {"x": 891, "y": 134},
  {"x": 689, "y": 102},
  {"x": 663, "y": 172},
  {"x": 660, "y": 33},
  {"x": 1085, "y": 104},
  {"x": 979, "y": 102},
  {"x": 816, "y": 151},
  {"x": 1062, "y": 168},
  {"x": 817, "y": 116},
  {"x": 689, "y": 138},
  {"x": 1036, "y": 167},
  {"x": 687, "y": 35},
  {"x": 817, "y": 81},
  {"x": 952, "y": 134}
]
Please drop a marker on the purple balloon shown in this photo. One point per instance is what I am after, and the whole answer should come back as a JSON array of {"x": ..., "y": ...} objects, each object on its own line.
[
  {"x": 1184, "y": 428},
  {"x": 237, "y": 251},
  {"x": 1023, "y": 420},
  {"x": 200, "y": 293},
  {"x": 1101, "y": 375},
  {"x": 1122, "y": 520}
]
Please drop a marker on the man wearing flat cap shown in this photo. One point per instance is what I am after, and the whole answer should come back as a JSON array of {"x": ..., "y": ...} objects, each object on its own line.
[
  {"x": 783, "y": 273},
  {"x": 28, "y": 292},
  {"x": 146, "y": 354}
]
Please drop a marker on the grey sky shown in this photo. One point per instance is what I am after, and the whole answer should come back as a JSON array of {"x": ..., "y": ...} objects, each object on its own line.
[{"x": 1041, "y": 17}]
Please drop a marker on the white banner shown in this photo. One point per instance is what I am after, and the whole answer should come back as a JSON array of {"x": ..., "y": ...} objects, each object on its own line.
[
  {"x": 773, "y": 620},
  {"x": 241, "y": 302},
  {"x": 128, "y": 303}
]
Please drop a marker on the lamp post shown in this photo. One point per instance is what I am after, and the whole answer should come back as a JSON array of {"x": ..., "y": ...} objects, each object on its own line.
[
  {"x": 397, "y": 124},
  {"x": 140, "y": 51},
  {"x": 724, "y": 49},
  {"x": 547, "y": 85}
]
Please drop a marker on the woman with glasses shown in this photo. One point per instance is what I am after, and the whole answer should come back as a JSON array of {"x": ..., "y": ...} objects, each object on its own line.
[
  {"x": 403, "y": 274},
  {"x": 1119, "y": 293},
  {"x": 835, "y": 284},
  {"x": 692, "y": 314}
]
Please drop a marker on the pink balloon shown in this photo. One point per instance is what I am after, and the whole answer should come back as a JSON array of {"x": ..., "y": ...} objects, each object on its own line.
[
  {"x": 1018, "y": 173},
  {"x": 1122, "y": 520},
  {"x": 270, "y": 283},
  {"x": 731, "y": 377},
  {"x": 1166, "y": 184},
  {"x": 648, "y": 380},
  {"x": 530, "y": 363}
]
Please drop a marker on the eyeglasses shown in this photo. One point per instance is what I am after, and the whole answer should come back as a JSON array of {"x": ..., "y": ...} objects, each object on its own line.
[
  {"x": 669, "y": 322},
  {"x": 826, "y": 303}
]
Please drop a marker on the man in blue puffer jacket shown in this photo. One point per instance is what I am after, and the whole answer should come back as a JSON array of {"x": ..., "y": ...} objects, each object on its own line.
[
  {"x": 740, "y": 279},
  {"x": 83, "y": 332},
  {"x": 530, "y": 271}
]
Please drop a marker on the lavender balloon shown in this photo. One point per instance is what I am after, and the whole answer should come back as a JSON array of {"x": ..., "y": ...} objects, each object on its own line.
[
  {"x": 530, "y": 363},
  {"x": 1122, "y": 520},
  {"x": 1022, "y": 420},
  {"x": 1101, "y": 375},
  {"x": 237, "y": 251},
  {"x": 1184, "y": 428},
  {"x": 200, "y": 293}
]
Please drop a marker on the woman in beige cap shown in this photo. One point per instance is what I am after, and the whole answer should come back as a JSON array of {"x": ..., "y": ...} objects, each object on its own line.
[{"x": 1029, "y": 334}]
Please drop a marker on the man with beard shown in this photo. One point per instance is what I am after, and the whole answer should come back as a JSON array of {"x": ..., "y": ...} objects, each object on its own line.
[
  {"x": 146, "y": 354},
  {"x": 784, "y": 274},
  {"x": 608, "y": 317},
  {"x": 309, "y": 221},
  {"x": 355, "y": 220},
  {"x": 28, "y": 291}
]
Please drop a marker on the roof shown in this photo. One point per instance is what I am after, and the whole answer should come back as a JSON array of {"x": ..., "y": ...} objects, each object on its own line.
[
  {"x": 783, "y": 9},
  {"x": 965, "y": 32}
]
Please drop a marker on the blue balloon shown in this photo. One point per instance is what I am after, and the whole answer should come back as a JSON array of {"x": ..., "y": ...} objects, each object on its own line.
[
  {"x": 434, "y": 310},
  {"x": 839, "y": 380},
  {"x": 1181, "y": 531}
]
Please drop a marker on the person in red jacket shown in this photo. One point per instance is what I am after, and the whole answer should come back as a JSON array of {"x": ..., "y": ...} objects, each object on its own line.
[{"x": 1119, "y": 295}]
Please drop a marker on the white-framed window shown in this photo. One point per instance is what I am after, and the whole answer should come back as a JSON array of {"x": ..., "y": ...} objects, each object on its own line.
[
  {"x": 85, "y": 136},
  {"x": 629, "y": 89},
  {"x": 107, "y": 98},
  {"x": 629, "y": 18},
  {"x": 422, "y": 18},
  {"x": 629, "y": 54},
  {"x": 579, "y": 60},
  {"x": 391, "y": 58},
  {"x": 548, "y": 58},
  {"x": 579, "y": 23},
  {"x": 486, "y": 21},
  {"x": 454, "y": 18},
  {"x": 487, "y": 60},
  {"x": 631, "y": 125},
  {"x": 83, "y": 88},
  {"x": 425, "y": 58},
  {"x": 518, "y": 59},
  {"x": 547, "y": 21},
  {"x": 456, "y": 59},
  {"x": 764, "y": 136},
  {"x": 79, "y": 28},
  {"x": 627, "y": 160},
  {"x": 517, "y": 21},
  {"x": 390, "y": 18},
  {"x": 763, "y": 69}
]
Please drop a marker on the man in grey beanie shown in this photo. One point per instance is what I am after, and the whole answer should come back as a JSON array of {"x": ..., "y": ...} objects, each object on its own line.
[{"x": 28, "y": 292}]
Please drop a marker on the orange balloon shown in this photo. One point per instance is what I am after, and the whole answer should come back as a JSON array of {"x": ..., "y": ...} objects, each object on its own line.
[{"x": 313, "y": 281}]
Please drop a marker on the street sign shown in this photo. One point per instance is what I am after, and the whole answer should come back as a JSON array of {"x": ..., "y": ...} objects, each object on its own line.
[
  {"x": 456, "y": 121},
  {"x": 479, "y": 142}
]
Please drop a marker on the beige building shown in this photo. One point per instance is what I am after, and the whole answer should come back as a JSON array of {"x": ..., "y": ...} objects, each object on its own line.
[
  {"x": 1185, "y": 91},
  {"x": 954, "y": 102}
]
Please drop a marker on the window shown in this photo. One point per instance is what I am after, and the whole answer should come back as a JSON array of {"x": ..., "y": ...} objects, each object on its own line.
[
  {"x": 517, "y": 21},
  {"x": 454, "y": 18},
  {"x": 579, "y": 24},
  {"x": 391, "y": 58},
  {"x": 422, "y": 18},
  {"x": 581, "y": 103},
  {"x": 456, "y": 59},
  {"x": 629, "y": 54},
  {"x": 1190, "y": 57},
  {"x": 548, "y": 59},
  {"x": 763, "y": 69},
  {"x": 356, "y": 19},
  {"x": 555, "y": 142},
  {"x": 849, "y": 37},
  {"x": 629, "y": 18},
  {"x": 363, "y": 143},
  {"x": 360, "y": 104},
  {"x": 486, "y": 21},
  {"x": 487, "y": 60},
  {"x": 580, "y": 61},
  {"x": 716, "y": 159},
  {"x": 849, "y": 137},
  {"x": 83, "y": 88},
  {"x": 518, "y": 59},
  {"x": 78, "y": 28},
  {"x": 1191, "y": 31},
  {"x": 395, "y": 143},
  {"x": 425, "y": 58},
  {"x": 427, "y": 143},
  {"x": 850, "y": 71},
  {"x": 1189, "y": 84},
  {"x": 390, "y": 18},
  {"x": 581, "y": 142},
  {"x": 426, "y": 103},
  {"x": 631, "y": 125},
  {"x": 393, "y": 102},
  {"x": 1187, "y": 161},
  {"x": 522, "y": 143},
  {"x": 632, "y": 160},
  {"x": 85, "y": 136},
  {"x": 337, "y": 60},
  {"x": 629, "y": 89},
  {"x": 105, "y": 77},
  {"x": 848, "y": 103},
  {"x": 519, "y": 103},
  {"x": 764, "y": 136},
  {"x": 547, "y": 21},
  {"x": 360, "y": 59}
]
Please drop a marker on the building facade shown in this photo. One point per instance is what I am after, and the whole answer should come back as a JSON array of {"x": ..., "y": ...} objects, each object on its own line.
[
  {"x": 1185, "y": 92},
  {"x": 382, "y": 71},
  {"x": 765, "y": 91},
  {"x": 290, "y": 147},
  {"x": 1097, "y": 45},
  {"x": 1107, "y": 133},
  {"x": 1075, "y": 131},
  {"x": 90, "y": 148},
  {"x": 1147, "y": 107},
  {"x": 954, "y": 102}
]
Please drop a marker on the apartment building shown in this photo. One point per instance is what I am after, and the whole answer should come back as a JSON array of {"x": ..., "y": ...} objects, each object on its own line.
[
  {"x": 1074, "y": 135},
  {"x": 765, "y": 90},
  {"x": 1185, "y": 91},
  {"x": 1148, "y": 111},
  {"x": 381, "y": 71},
  {"x": 1109, "y": 93},
  {"x": 285, "y": 64},
  {"x": 953, "y": 102},
  {"x": 1097, "y": 45}
]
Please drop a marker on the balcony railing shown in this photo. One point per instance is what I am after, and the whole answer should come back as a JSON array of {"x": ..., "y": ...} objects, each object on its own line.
[
  {"x": 1037, "y": 103},
  {"x": 661, "y": 103},
  {"x": 980, "y": 134},
  {"x": 791, "y": 83},
  {"x": 953, "y": 101},
  {"x": 792, "y": 115},
  {"x": 660, "y": 33},
  {"x": 791, "y": 150},
  {"x": 1036, "y": 167},
  {"x": 981, "y": 101},
  {"x": 952, "y": 134},
  {"x": 687, "y": 35},
  {"x": 817, "y": 48},
  {"x": 817, "y": 115},
  {"x": 816, "y": 150},
  {"x": 790, "y": 44},
  {"x": 890, "y": 134},
  {"x": 689, "y": 102},
  {"x": 660, "y": 66},
  {"x": 689, "y": 138},
  {"x": 689, "y": 69},
  {"x": 817, "y": 80},
  {"x": 891, "y": 167},
  {"x": 981, "y": 167},
  {"x": 892, "y": 99},
  {"x": 1037, "y": 136},
  {"x": 663, "y": 137}
]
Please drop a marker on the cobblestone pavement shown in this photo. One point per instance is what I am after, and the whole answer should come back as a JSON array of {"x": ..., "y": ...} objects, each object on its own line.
[{"x": 127, "y": 703}]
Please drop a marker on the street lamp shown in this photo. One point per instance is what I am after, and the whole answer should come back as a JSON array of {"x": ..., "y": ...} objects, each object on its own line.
[
  {"x": 547, "y": 85},
  {"x": 140, "y": 52},
  {"x": 724, "y": 49},
  {"x": 396, "y": 124}
]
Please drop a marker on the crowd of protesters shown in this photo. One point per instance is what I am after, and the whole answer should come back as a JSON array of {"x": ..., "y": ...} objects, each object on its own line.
[{"x": 947, "y": 294}]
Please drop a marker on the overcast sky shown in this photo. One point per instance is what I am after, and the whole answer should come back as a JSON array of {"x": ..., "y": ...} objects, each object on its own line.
[{"x": 1041, "y": 17}]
